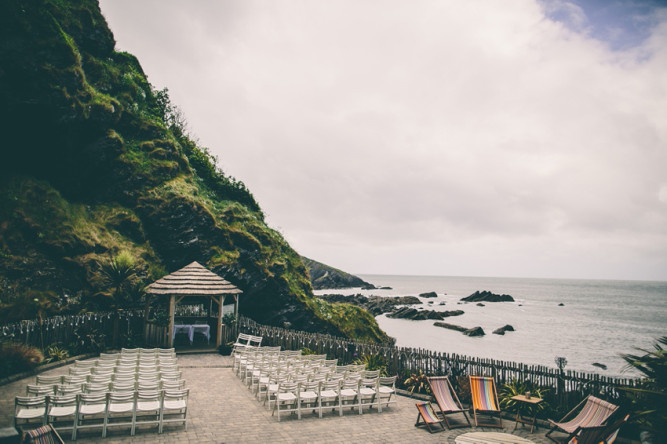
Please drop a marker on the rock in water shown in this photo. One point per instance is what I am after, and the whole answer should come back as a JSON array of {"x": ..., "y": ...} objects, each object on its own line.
[
  {"x": 502, "y": 330},
  {"x": 487, "y": 296},
  {"x": 430, "y": 294},
  {"x": 598, "y": 365},
  {"x": 479, "y": 304},
  {"x": 475, "y": 331}
]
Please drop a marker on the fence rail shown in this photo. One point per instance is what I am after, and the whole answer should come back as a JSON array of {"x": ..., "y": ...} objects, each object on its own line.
[
  {"x": 567, "y": 387},
  {"x": 99, "y": 331}
]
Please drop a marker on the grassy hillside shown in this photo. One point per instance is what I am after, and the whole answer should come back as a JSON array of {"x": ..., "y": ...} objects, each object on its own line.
[{"x": 94, "y": 162}]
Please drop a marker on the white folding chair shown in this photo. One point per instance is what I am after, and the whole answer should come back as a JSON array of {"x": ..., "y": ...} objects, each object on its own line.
[
  {"x": 28, "y": 409},
  {"x": 49, "y": 380},
  {"x": 368, "y": 393},
  {"x": 91, "y": 412},
  {"x": 309, "y": 393},
  {"x": 148, "y": 409},
  {"x": 62, "y": 412},
  {"x": 174, "y": 408},
  {"x": 349, "y": 396},
  {"x": 386, "y": 391},
  {"x": 39, "y": 390},
  {"x": 120, "y": 411},
  {"x": 286, "y": 398}
]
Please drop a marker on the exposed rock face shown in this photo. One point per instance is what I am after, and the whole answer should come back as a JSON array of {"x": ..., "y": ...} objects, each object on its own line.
[
  {"x": 430, "y": 294},
  {"x": 475, "y": 331},
  {"x": 325, "y": 277},
  {"x": 376, "y": 305},
  {"x": 420, "y": 315},
  {"x": 502, "y": 330},
  {"x": 487, "y": 296}
]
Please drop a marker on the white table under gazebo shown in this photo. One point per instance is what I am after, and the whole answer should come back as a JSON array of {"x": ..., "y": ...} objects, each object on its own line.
[{"x": 193, "y": 280}]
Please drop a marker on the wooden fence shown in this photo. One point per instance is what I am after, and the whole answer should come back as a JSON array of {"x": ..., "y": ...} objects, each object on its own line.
[
  {"x": 88, "y": 332},
  {"x": 565, "y": 388}
]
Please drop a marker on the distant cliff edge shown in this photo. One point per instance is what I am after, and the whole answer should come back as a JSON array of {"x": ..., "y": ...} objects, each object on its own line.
[{"x": 323, "y": 276}]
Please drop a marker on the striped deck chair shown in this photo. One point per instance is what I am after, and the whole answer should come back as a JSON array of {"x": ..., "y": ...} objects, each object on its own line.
[
  {"x": 594, "y": 413},
  {"x": 485, "y": 400},
  {"x": 599, "y": 434},
  {"x": 445, "y": 397},
  {"x": 429, "y": 416}
]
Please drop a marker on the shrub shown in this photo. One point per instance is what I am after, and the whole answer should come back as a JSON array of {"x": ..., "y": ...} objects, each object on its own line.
[
  {"x": 417, "y": 383},
  {"x": 56, "y": 352},
  {"x": 649, "y": 400},
  {"x": 373, "y": 362},
  {"x": 16, "y": 358},
  {"x": 306, "y": 351},
  {"x": 515, "y": 388}
]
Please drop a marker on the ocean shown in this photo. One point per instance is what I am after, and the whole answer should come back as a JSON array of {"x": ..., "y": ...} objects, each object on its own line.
[{"x": 598, "y": 322}]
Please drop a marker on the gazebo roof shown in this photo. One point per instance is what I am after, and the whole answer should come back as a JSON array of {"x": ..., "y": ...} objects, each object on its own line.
[{"x": 193, "y": 280}]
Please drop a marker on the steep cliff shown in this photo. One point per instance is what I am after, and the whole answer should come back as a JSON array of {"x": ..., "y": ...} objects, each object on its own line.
[
  {"x": 92, "y": 162},
  {"x": 324, "y": 276}
]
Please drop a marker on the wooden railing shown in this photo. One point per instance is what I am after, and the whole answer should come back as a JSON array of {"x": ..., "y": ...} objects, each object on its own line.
[{"x": 566, "y": 388}]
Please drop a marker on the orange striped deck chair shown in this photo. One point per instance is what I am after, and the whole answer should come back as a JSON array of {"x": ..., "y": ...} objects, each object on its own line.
[
  {"x": 485, "y": 400},
  {"x": 594, "y": 413},
  {"x": 428, "y": 415},
  {"x": 446, "y": 399}
]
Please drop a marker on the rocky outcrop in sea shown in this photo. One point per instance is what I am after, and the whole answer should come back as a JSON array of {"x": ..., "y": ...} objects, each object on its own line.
[{"x": 487, "y": 296}]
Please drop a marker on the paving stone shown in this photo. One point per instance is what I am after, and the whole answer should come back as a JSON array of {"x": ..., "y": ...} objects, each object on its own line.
[{"x": 221, "y": 409}]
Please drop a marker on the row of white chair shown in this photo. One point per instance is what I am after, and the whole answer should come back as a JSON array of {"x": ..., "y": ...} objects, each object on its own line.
[
  {"x": 95, "y": 363},
  {"x": 104, "y": 386},
  {"x": 298, "y": 397},
  {"x": 104, "y": 410}
]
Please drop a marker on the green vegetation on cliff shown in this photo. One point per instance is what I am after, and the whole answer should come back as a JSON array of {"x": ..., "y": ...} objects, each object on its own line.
[{"x": 95, "y": 162}]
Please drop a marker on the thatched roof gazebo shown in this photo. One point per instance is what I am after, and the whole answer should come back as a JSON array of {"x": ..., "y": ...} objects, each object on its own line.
[{"x": 193, "y": 280}]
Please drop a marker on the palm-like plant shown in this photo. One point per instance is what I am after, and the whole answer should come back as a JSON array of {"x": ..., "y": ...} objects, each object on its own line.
[
  {"x": 118, "y": 272},
  {"x": 649, "y": 399}
]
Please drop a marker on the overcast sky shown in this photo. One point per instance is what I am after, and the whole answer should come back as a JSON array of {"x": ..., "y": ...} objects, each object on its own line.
[{"x": 453, "y": 137}]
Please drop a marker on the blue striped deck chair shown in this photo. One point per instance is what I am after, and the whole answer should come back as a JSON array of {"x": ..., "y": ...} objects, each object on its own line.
[
  {"x": 595, "y": 412},
  {"x": 429, "y": 416},
  {"x": 446, "y": 399},
  {"x": 485, "y": 400}
]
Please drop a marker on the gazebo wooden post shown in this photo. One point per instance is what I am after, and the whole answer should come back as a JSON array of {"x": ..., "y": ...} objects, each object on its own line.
[
  {"x": 236, "y": 314},
  {"x": 221, "y": 304},
  {"x": 172, "y": 312}
]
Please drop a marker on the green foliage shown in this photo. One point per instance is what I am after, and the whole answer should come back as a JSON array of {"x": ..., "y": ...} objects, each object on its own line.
[
  {"x": 119, "y": 273},
  {"x": 373, "y": 362},
  {"x": 161, "y": 318},
  {"x": 306, "y": 351},
  {"x": 55, "y": 352},
  {"x": 648, "y": 401},
  {"x": 16, "y": 358},
  {"x": 417, "y": 383},
  {"x": 31, "y": 304},
  {"x": 88, "y": 340},
  {"x": 229, "y": 319},
  {"x": 515, "y": 388}
]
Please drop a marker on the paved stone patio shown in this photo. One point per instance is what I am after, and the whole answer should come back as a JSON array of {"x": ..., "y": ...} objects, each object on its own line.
[{"x": 222, "y": 410}]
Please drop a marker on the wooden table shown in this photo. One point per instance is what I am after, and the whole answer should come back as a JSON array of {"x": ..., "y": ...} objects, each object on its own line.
[{"x": 532, "y": 401}]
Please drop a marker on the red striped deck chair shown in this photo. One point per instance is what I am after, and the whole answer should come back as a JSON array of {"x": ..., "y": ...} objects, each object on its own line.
[
  {"x": 485, "y": 400},
  {"x": 594, "y": 413},
  {"x": 429, "y": 416},
  {"x": 599, "y": 434},
  {"x": 446, "y": 399}
]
